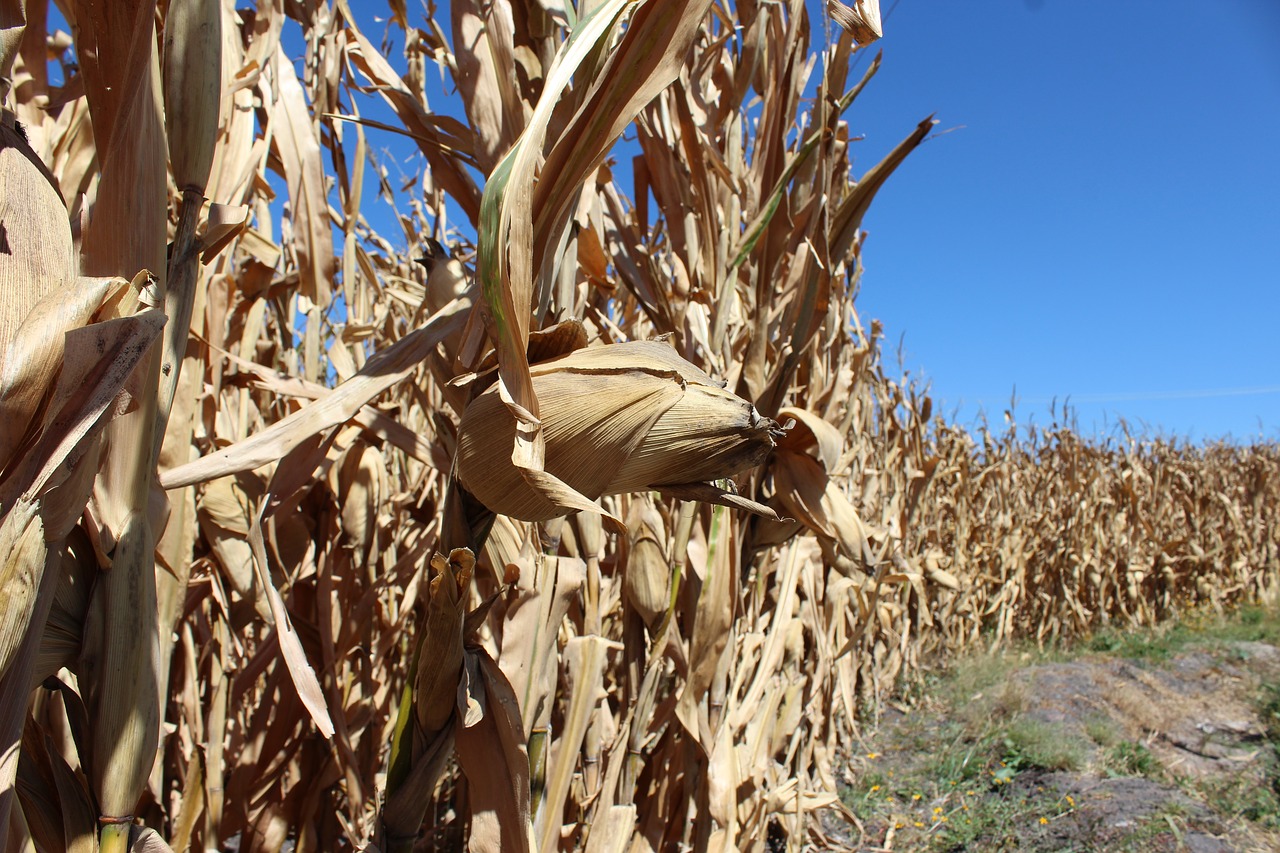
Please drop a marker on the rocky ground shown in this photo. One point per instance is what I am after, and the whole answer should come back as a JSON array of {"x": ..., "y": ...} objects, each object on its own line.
[{"x": 1154, "y": 742}]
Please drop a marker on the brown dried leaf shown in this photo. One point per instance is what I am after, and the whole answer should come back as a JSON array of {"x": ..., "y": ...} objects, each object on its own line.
[
  {"x": 491, "y": 752},
  {"x": 295, "y": 135},
  {"x": 98, "y": 360},
  {"x": 484, "y": 51},
  {"x": 380, "y": 372},
  {"x": 862, "y": 20},
  {"x": 295, "y": 657},
  {"x": 36, "y": 253}
]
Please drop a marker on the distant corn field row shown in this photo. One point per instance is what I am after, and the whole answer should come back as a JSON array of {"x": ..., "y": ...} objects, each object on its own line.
[{"x": 256, "y": 588}]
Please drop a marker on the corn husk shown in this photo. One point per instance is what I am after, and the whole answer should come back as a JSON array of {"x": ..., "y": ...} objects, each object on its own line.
[
  {"x": 192, "y": 100},
  {"x": 861, "y": 20},
  {"x": 620, "y": 418},
  {"x": 192, "y": 88},
  {"x": 647, "y": 579},
  {"x": 440, "y": 661}
]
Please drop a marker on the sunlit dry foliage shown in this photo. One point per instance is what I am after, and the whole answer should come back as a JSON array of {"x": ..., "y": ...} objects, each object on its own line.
[{"x": 255, "y": 586}]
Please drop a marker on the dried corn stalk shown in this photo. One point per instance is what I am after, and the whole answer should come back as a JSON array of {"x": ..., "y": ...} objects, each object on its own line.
[{"x": 65, "y": 369}]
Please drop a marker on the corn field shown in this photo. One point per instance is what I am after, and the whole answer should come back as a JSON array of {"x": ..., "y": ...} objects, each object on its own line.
[{"x": 593, "y": 520}]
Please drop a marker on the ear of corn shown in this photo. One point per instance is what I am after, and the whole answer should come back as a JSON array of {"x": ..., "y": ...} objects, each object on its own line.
[
  {"x": 192, "y": 100},
  {"x": 619, "y": 418},
  {"x": 440, "y": 660},
  {"x": 648, "y": 571},
  {"x": 192, "y": 89}
]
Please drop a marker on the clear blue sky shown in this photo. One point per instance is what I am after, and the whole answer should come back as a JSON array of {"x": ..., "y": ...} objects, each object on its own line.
[{"x": 1104, "y": 221}]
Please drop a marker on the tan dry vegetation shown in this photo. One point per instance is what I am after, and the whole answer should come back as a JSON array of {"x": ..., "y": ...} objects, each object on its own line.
[{"x": 228, "y": 613}]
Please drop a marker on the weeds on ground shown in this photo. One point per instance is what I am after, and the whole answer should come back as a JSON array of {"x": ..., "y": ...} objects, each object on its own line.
[
  {"x": 975, "y": 743},
  {"x": 975, "y": 757},
  {"x": 1246, "y": 797},
  {"x": 1131, "y": 758}
]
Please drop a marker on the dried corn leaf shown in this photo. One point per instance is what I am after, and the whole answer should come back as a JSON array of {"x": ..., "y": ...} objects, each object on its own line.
[
  {"x": 491, "y": 752},
  {"x": 484, "y": 51},
  {"x": 37, "y": 253},
  {"x": 847, "y": 219},
  {"x": 34, "y": 351},
  {"x": 584, "y": 663},
  {"x": 811, "y": 431},
  {"x": 802, "y": 487},
  {"x": 98, "y": 361},
  {"x": 711, "y": 632},
  {"x": 445, "y": 152},
  {"x": 647, "y": 59},
  {"x": 862, "y": 20},
  {"x": 295, "y": 136},
  {"x": 380, "y": 372},
  {"x": 304, "y": 677},
  {"x": 22, "y": 542}
]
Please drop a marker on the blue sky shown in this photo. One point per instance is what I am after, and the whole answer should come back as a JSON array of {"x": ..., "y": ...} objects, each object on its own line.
[{"x": 1104, "y": 221}]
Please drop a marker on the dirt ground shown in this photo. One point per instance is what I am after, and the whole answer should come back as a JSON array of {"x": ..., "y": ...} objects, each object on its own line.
[{"x": 1167, "y": 749}]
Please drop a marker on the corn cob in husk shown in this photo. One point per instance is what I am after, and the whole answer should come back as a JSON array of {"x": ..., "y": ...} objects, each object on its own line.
[{"x": 618, "y": 418}]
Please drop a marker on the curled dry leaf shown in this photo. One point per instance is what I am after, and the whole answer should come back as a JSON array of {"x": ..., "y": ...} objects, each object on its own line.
[
  {"x": 802, "y": 487},
  {"x": 21, "y": 568},
  {"x": 33, "y": 356},
  {"x": 861, "y": 20}
]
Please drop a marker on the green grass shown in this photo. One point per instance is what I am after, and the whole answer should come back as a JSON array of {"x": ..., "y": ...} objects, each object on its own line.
[
  {"x": 1101, "y": 730},
  {"x": 1241, "y": 798},
  {"x": 1129, "y": 758},
  {"x": 1030, "y": 743},
  {"x": 1245, "y": 624}
]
